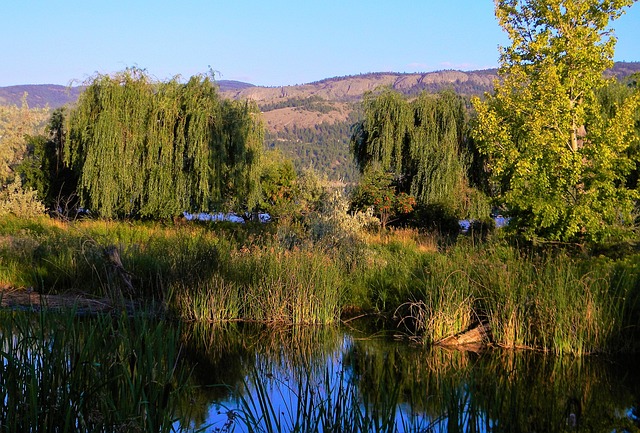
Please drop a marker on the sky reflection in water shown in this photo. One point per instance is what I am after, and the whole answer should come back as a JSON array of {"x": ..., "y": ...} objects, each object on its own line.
[{"x": 405, "y": 387}]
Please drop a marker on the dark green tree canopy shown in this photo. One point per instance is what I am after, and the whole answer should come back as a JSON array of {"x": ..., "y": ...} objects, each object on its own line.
[
  {"x": 43, "y": 168},
  {"x": 155, "y": 149},
  {"x": 421, "y": 142}
]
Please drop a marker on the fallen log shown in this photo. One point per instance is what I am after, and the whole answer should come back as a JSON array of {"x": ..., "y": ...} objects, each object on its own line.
[
  {"x": 477, "y": 337},
  {"x": 29, "y": 300}
]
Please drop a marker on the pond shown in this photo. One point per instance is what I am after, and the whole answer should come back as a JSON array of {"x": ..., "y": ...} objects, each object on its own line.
[
  {"x": 60, "y": 373},
  {"x": 349, "y": 379}
]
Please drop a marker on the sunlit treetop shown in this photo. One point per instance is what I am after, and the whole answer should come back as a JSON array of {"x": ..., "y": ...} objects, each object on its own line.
[{"x": 559, "y": 165}]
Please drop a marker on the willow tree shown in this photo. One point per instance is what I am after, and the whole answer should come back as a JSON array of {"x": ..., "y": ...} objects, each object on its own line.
[
  {"x": 559, "y": 164},
  {"x": 420, "y": 142},
  {"x": 153, "y": 150}
]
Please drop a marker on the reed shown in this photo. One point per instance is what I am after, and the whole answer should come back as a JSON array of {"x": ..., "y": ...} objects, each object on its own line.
[
  {"x": 215, "y": 300},
  {"x": 101, "y": 374},
  {"x": 551, "y": 301},
  {"x": 308, "y": 403},
  {"x": 287, "y": 286}
]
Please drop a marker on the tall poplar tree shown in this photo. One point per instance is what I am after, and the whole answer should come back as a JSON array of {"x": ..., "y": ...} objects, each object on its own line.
[
  {"x": 153, "y": 150},
  {"x": 559, "y": 164}
]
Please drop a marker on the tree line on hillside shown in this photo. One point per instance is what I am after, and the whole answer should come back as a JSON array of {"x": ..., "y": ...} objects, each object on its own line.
[
  {"x": 325, "y": 147},
  {"x": 311, "y": 103}
]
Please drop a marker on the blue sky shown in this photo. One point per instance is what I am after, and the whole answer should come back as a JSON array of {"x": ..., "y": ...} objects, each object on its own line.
[{"x": 263, "y": 42}]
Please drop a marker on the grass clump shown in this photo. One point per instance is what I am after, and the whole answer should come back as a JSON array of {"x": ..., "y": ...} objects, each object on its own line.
[
  {"x": 100, "y": 374},
  {"x": 551, "y": 302},
  {"x": 288, "y": 286}
]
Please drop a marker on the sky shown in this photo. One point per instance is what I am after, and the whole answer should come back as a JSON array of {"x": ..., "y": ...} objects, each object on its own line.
[{"x": 263, "y": 42}]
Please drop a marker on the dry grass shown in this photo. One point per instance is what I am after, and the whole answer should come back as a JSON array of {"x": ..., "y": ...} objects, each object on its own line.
[{"x": 406, "y": 237}]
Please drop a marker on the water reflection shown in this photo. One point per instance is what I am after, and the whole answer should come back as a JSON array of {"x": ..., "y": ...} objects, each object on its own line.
[{"x": 394, "y": 386}]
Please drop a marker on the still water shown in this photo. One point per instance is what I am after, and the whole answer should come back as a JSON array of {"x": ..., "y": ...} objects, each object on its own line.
[
  {"x": 122, "y": 373},
  {"x": 356, "y": 379}
]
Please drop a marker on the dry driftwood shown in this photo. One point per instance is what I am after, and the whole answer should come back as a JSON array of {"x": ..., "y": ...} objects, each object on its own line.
[
  {"x": 112, "y": 256},
  {"x": 475, "y": 338}
]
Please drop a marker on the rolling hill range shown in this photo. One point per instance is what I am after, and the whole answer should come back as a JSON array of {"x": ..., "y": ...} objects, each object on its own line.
[
  {"x": 332, "y": 97},
  {"x": 337, "y": 89},
  {"x": 311, "y": 123}
]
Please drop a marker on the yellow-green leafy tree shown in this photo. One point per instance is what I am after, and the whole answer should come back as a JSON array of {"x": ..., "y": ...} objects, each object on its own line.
[{"x": 558, "y": 164}]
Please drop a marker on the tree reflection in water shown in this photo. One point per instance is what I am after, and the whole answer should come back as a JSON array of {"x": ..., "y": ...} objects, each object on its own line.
[{"x": 311, "y": 378}]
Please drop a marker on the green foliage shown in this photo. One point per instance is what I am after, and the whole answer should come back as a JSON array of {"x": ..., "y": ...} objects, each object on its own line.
[
  {"x": 279, "y": 186},
  {"x": 20, "y": 202},
  {"x": 376, "y": 190},
  {"x": 559, "y": 164},
  {"x": 421, "y": 141},
  {"x": 15, "y": 123},
  {"x": 31, "y": 168},
  {"x": 154, "y": 150},
  {"x": 434, "y": 217},
  {"x": 44, "y": 170},
  {"x": 616, "y": 94}
]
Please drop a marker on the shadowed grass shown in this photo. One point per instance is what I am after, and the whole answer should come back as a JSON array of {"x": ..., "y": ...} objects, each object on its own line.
[{"x": 101, "y": 374}]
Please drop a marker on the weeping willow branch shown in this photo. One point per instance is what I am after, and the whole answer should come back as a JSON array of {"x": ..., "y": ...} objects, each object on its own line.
[
  {"x": 149, "y": 149},
  {"x": 419, "y": 141}
]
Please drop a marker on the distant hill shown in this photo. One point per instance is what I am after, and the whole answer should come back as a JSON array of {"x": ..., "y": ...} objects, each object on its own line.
[
  {"x": 311, "y": 123},
  {"x": 40, "y": 95},
  {"x": 54, "y": 95},
  {"x": 230, "y": 85},
  {"x": 336, "y": 89},
  {"x": 623, "y": 69},
  {"x": 352, "y": 88}
]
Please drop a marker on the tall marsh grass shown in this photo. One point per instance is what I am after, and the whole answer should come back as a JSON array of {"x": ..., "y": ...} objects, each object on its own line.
[
  {"x": 198, "y": 273},
  {"x": 551, "y": 301},
  {"x": 101, "y": 374}
]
